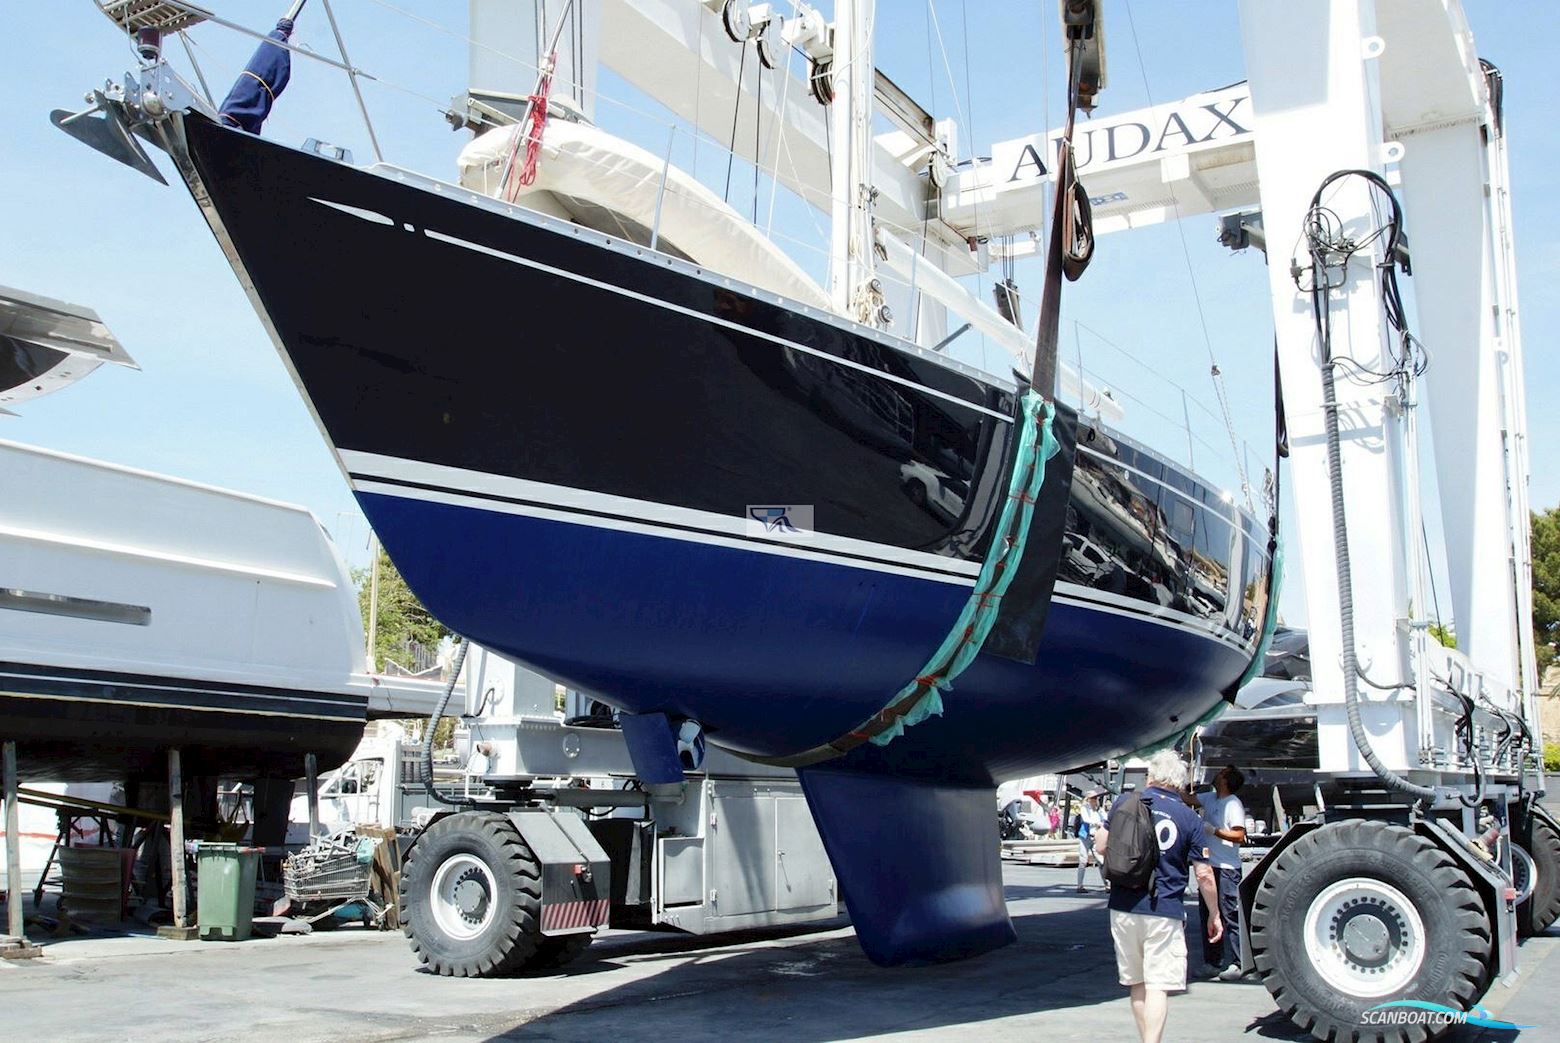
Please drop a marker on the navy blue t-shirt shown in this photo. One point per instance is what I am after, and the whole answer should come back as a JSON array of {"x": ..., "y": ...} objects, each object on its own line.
[{"x": 1181, "y": 842}]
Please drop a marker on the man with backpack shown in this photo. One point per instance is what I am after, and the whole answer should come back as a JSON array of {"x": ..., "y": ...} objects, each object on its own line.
[{"x": 1151, "y": 843}]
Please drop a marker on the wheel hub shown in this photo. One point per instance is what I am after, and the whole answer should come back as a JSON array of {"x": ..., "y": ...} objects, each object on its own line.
[
  {"x": 461, "y": 896},
  {"x": 1364, "y": 937},
  {"x": 471, "y": 898}
]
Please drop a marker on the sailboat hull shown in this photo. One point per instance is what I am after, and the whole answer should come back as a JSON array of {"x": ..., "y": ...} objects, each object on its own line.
[{"x": 684, "y": 495}]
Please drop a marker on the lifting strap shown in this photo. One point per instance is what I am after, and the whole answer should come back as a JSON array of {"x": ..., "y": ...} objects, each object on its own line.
[
  {"x": 922, "y": 697},
  {"x": 1071, "y": 246}
]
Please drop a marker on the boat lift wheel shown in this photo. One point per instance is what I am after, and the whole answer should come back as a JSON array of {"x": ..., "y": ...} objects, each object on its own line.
[
  {"x": 1541, "y": 843},
  {"x": 1359, "y": 913},
  {"x": 471, "y": 897}
]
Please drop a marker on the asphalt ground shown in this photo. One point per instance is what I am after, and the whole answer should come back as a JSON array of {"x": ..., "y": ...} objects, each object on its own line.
[{"x": 1057, "y": 983}]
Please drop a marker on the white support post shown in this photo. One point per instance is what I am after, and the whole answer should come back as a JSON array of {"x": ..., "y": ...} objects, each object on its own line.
[
  {"x": 1314, "y": 91},
  {"x": 181, "y": 929},
  {"x": 1447, "y": 216},
  {"x": 851, "y": 249},
  {"x": 13, "y": 848},
  {"x": 311, "y": 775}
]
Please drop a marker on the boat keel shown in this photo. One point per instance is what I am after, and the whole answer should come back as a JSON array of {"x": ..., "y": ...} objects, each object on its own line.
[{"x": 918, "y": 863}]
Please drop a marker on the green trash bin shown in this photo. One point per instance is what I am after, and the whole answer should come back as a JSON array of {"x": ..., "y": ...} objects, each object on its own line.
[{"x": 225, "y": 890}]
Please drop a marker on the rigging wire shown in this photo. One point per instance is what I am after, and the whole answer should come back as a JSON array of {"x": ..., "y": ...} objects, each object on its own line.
[
  {"x": 1215, "y": 374},
  {"x": 758, "y": 123},
  {"x": 736, "y": 113}
]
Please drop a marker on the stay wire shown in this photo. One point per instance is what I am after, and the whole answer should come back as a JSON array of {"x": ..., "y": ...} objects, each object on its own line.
[
  {"x": 1214, "y": 373},
  {"x": 736, "y": 113}
]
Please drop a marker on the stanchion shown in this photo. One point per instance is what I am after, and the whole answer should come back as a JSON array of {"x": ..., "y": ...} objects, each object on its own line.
[
  {"x": 180, "y": 930},
  {"x": 13, "y": 944}
]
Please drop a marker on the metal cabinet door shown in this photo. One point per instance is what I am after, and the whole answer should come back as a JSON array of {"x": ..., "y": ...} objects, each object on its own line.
[
  {"x": 742, "y": 854},
  {"x": 804, "y": 879}
]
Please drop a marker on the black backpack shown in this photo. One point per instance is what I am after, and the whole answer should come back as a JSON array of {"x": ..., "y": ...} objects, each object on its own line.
[{"x": 1132, "y": 851}]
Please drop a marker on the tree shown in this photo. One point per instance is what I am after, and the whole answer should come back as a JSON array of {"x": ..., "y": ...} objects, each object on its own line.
[
  {"x": 402, "y": 618},
  {"x": 1546, "y": 586}
]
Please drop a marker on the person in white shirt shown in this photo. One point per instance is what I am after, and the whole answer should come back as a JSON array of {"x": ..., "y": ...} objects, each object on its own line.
[
  {"x": 1090, "y": 821},
  {"x": 1224, "y": 824}
]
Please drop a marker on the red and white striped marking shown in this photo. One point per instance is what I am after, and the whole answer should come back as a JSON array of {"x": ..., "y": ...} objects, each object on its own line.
[{"x": 563, "y": 916}]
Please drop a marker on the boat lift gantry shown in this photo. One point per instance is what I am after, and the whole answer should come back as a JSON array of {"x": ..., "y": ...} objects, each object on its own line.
[
  {"x": 1426, "y": 758},
  {"x": 1426, "y": 752}
]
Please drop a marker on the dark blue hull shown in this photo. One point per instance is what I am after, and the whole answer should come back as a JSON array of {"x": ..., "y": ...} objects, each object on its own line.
[{"x": 780, "y": 653}]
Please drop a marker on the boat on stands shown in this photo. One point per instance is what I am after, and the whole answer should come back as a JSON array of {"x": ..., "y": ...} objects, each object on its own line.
[{"x": 141, "y": 612}]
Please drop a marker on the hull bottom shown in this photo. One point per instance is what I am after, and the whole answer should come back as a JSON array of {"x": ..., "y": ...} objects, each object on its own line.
[{"x": 90, "y": 726}]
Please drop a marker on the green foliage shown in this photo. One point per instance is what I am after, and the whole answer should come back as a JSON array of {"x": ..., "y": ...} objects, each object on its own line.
[
  {"x": 1552, "y": 757},
  {"x": 402, "y": 618},
  {"x": 1546, "y": 586},
  {"x": 1444, "y": 634}
]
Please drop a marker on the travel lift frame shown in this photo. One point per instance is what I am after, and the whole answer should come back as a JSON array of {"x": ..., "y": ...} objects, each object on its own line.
[{"x": 1428, "y": 852}]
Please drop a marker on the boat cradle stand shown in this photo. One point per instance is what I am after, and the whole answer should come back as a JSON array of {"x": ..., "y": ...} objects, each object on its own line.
[{"x": 13, "y": 943}]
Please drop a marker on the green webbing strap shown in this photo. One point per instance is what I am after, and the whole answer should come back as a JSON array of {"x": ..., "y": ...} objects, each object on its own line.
[{"x": 922, "y": 697}]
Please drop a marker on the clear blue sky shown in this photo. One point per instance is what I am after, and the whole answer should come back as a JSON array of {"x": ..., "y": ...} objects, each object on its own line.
[{"x": 213, "y": 403}]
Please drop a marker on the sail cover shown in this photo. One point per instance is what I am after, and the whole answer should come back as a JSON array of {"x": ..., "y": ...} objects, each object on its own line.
[
  {"x": 584, "y": 163},
  {"x": 262, "y": 81}
]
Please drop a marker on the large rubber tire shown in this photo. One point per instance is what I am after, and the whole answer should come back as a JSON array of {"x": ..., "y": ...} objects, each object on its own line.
[
  {"x": 1542, "y": 908},
  {"x": 1454, "y": 953},
  {"x": 504, "y": 928}
]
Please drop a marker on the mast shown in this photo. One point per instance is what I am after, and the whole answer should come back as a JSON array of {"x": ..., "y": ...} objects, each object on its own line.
[
  {"x": 851, "y": 252},
  {"x": 512, "y": 38}
]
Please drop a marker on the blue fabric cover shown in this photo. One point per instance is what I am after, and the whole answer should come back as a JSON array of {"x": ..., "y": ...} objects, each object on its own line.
[{"x": 261, "y": 83}]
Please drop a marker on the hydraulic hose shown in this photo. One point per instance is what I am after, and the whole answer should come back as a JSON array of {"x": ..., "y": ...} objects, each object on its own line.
[
  {"x": 1351, "y": 665},
  {"x": 433, "y": 726}
]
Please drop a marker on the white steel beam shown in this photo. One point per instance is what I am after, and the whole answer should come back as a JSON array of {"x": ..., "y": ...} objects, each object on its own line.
[
  {"x": 1143, "y": 167},
  {"x": 1446, "y": 214},
  {"x": 1313, "y": 94},
  {"x": 679, "y": 54}
]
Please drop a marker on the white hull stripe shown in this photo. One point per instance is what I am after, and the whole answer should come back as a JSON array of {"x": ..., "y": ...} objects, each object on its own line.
[
  {"x": 566, "y": 505},
  {"x": 736, "y": 327},
  {"x": 455, "y": 485}
]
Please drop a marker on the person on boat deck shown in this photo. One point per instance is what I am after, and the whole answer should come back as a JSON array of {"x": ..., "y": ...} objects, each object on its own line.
[
  {"x": 1148, "y": 926},
  {"x": 1224, "y": 822},
  {"x": 1090, "y": 821}
]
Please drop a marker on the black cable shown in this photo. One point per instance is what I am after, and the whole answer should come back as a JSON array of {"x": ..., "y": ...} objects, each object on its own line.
[
  {"x": 758, "y": 123},
  {"x": 1328, "y": 248},
  {"x": 736, "y": 112},
  {"x": 433, "y": 725}
]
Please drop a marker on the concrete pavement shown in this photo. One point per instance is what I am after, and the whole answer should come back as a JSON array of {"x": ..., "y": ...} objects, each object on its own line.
[{"x": 1057, "y": 983}]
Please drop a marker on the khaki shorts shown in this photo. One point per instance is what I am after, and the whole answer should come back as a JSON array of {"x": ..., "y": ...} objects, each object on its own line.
[{"x": 1150, "y": 950}]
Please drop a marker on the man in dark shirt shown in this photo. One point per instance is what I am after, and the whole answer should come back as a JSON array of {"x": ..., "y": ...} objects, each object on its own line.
[{"x": 1148, "y": 926}]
